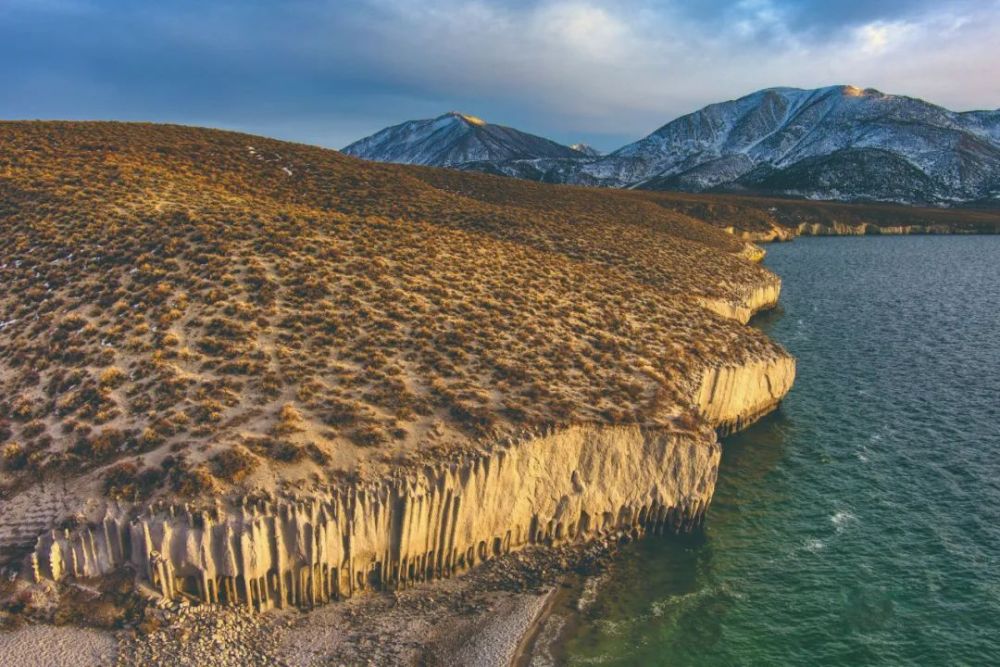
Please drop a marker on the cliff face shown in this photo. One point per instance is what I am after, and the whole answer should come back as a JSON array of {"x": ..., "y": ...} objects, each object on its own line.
[
  {"x": 867, "y": 229},
  {"x": 733, "y": 397},
  {"x": 774, "y": 234},
  {"x": 576, "y": 484},
  {"x": 761, "y": 297}
]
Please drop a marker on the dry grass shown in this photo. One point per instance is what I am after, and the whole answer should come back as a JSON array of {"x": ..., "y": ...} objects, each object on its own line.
[
  {"x": 744, "y": 213},
  {"x": 179, "y": 311}
]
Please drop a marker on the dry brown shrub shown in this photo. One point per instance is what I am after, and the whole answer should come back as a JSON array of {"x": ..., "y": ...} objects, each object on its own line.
[
  {"x": 14, "y": 456},
  {"x": 233, "y": 464}
]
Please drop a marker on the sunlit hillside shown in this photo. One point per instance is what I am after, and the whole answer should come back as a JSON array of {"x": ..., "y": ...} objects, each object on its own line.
[{"x": 188, "y": 309}]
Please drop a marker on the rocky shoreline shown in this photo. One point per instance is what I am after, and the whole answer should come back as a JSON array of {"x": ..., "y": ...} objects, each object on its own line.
[
  {"x": 782, "y": 234},
  {"x": 479, "y": 618}
]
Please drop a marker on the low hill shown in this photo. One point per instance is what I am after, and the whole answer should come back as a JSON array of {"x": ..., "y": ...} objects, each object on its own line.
[{"x": 750, "y": 217}]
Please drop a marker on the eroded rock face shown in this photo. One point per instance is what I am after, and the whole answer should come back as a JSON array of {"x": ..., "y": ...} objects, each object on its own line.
[
  {"x": 775, "y": 234},
  {"x": 866, "y": 229},
  {"x": 576, "y": 484},
  {"x": 734, "y": 397},
  {"x": 761, "y": 297}
]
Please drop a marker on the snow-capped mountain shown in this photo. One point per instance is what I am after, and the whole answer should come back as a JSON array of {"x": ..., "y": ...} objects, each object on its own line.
[
  {"x": 454, "y": 139},
  {"x": 839, "y": 142}
]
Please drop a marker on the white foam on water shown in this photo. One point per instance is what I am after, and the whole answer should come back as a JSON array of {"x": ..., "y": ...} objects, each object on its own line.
[
  {"x": 591, "y": 589},
  {"x": 613, "y": 628},
  {"x": 815, "y": 545},
  {"x": 841, "y": 519}
]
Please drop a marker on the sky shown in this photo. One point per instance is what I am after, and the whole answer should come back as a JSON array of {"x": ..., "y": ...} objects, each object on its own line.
[{"x": 604, "y": 72}]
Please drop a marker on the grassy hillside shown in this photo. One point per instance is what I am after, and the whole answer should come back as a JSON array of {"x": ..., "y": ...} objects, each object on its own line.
[{"x": 188, "y": 309}]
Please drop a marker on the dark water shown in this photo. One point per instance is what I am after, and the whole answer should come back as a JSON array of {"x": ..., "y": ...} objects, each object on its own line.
[{"x": 860, "y": 525}]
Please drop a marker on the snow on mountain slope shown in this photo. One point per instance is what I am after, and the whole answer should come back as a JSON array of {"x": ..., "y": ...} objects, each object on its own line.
[
  {"x": 746, "y": 143},
  {"x": 453, "y": 139},
  {"x": 839, "y": 142},
  {"x": 587, "y": 150}
]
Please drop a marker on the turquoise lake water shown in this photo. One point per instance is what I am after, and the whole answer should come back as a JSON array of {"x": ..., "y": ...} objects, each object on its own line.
[{"x": 861, "y": 524}]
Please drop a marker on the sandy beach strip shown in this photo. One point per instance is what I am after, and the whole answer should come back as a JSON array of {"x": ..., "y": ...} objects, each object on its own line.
[
  {"x": 56, "y": 646},
  {"x": 499, "y": 637}
]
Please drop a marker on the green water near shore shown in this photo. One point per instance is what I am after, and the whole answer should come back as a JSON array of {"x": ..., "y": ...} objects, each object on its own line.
[{"x": 861, "y": 524}]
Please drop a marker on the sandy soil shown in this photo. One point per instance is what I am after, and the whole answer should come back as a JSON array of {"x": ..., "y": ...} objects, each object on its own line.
[
  {"x": 496, "y": 638},
  {"x": 56, "y": 646},
  {"x": 440, "y": 625}
]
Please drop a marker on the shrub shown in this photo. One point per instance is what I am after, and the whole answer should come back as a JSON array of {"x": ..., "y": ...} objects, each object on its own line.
[
  {"x": 233, "y": 464},
  {"x": 191, "y": 482},
  {"x": 289, "y": 420},
  {"x": 107, "y": 443},
  {"x": 33, "y": 428},
  {"x": 338, "y": 412},
  {"x": 369, "y": 435},
  {"x": 111, "y": 378},
  {"x": 120, "y": 481},
  {"x": 14, "y": 456}
]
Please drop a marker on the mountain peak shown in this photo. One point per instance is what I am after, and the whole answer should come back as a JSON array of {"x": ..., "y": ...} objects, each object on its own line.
[
  {"x": 586, "y": 149},
  {"x": 468, "y": 118},
  {"x": 455, "y": 138},
  {"x": 870, "y": 144},
  {"x": 857, "y": 91}
]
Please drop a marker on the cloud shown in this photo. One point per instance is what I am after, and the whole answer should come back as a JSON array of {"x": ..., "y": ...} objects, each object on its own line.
[
  {"x": 328, "y": 71},
  {"x": 879, "y": 37}
]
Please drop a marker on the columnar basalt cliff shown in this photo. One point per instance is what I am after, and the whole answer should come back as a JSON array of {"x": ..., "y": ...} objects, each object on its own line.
[
  {"x": 733, "y": 396},
  {"x": 576, "y": 484}
]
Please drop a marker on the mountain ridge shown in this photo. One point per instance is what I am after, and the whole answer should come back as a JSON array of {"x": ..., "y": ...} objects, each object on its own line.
[{"x": 836, "y": 143}]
